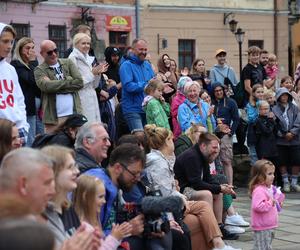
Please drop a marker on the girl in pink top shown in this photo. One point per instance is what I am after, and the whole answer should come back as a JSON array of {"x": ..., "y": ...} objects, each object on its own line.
[
  {"x": 88, "y": 199},
  {"x": 266, "y": 203}
]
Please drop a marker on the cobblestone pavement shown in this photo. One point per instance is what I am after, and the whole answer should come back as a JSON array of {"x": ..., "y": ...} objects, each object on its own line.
[{"x": 287, "y": 235}]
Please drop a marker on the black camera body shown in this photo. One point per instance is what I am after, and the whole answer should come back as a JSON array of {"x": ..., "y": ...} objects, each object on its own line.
[{"x": 154, "y": 221}]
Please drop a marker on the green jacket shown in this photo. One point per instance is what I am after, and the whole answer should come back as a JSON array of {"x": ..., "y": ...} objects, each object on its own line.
[
  {"x": 157, "y": 113},
  {"x": 71, "y": 84}
]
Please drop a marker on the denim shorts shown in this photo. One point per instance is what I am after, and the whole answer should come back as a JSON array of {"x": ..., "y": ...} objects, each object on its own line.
[{"x": 135, "y": 121}]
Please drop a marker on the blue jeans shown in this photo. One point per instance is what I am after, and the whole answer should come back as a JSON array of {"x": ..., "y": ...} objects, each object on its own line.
[
  {"x": 135, "y": 121},
  {"x": 252, "y": 154},
  {"x": 39, "y": 123},
  {"x": 32, "y": 129}
]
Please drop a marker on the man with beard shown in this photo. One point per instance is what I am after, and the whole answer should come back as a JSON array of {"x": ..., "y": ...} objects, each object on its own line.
[
  {"x": 192, "y": 170},
  {"x": 263, "y": 61},
  {"x": 123, "y": 172},
  {"x": 135, "y": 72}
]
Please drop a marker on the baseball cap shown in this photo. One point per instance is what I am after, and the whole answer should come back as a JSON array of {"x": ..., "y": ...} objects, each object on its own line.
[
  {"x": 75, "y": 120},
  {"x": 219, "y": 51}
]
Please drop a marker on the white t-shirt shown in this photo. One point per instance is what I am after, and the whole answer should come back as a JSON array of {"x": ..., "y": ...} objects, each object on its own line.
[{"x": 64, "y": 102}]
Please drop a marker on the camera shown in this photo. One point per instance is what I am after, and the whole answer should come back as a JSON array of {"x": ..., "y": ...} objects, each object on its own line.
[{"x": 157, "y": 210}]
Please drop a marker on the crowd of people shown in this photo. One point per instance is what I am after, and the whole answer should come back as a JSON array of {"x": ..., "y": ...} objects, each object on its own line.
[{"x": 83, "y": 145}]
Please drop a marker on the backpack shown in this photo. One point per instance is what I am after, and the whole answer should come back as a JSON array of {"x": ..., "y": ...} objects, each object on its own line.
[{"x": 239, "y": 94}]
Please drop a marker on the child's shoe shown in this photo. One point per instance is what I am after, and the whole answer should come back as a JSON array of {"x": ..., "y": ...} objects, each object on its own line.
[
  {"x": 286, "y": 187},
  {"x": 295, "y": 188}
]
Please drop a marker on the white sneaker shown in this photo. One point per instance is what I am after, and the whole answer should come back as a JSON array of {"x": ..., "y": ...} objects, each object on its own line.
[
  {"x": 227, "y": 248},
  {"x": 236, "y": 220},
  {"x": 234, "y": 229}
]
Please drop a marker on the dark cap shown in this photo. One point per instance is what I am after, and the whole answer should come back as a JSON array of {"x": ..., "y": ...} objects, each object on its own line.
[{"x": 75, "y": 120}]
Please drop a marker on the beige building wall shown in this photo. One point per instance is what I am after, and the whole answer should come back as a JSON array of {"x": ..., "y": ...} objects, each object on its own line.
[
  {"x": 296, "y": 44},
  {"x": 207, "y": 28}
]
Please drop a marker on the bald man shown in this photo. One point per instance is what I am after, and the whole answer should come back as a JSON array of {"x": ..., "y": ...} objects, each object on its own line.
[{"x": 59, "y": 81}]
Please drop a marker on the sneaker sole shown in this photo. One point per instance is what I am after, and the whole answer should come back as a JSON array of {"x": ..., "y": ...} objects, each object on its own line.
[{"x": 237, "y": 225}]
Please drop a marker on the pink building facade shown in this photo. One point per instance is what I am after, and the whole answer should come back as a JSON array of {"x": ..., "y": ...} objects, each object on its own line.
[{"x": 113, "y": 24}]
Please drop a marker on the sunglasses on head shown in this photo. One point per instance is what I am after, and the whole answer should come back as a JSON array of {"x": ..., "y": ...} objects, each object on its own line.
[{"x": 50, "y": 53}]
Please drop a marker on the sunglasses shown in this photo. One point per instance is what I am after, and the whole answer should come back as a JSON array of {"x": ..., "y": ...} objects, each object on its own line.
[{"x": 50, "y": 53}]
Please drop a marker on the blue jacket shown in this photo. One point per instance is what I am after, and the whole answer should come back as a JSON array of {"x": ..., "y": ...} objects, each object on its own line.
[
  {"x": 134, "y": 75},
  {"x": 189, "y": 112},
  {"x": 110, "y": 195}
]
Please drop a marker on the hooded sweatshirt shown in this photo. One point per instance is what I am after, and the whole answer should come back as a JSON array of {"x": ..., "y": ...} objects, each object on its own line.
[
  {"x": 134, "y": 74},
  {"x": 12, "y": 106},
  {"x": 287, "y": 119},
  {"x": 219, "y": 72}
]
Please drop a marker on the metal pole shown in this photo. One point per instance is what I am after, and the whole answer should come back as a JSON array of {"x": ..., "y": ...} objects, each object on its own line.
[
  {"x": 137, "y": 18},
  {"x": 240, "y": 57}
]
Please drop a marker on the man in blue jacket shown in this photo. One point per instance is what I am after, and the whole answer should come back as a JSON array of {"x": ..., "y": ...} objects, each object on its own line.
[
  {"x": 135, "y": 72},
  {"x": 227, "y": 116}
]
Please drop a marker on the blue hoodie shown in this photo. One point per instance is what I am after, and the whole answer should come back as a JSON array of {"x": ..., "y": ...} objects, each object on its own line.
[{"x": 134, "y": 75}]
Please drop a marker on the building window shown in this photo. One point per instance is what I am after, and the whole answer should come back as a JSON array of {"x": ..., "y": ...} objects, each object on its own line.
[
  {"x": 22, "y": 29},
  {"x": 258, "y": 43},
  {"x": 58, "y": 34},
  {"x": 186, "y": 53},
  {"x": 118, "y": 39}
]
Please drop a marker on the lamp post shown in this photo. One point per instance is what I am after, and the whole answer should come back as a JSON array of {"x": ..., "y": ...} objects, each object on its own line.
[{"x": 239, "y": 36}]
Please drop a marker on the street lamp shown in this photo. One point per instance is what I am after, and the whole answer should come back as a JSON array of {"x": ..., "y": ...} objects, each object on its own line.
[{"x": 239, "y": 36}]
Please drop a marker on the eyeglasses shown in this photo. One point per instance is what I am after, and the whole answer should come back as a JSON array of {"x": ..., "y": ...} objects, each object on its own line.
[
  {"x": 218, "y": 90},
  {"x": 135, "y": 175},
  {"x": 50, "y": 52}
]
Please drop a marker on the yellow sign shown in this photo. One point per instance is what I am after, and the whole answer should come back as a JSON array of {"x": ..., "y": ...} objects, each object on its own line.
[{"x": 118, "y": 20}]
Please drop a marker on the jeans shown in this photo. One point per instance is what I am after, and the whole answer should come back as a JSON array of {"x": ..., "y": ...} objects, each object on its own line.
[
  {"x": 252, "y": 154},
  {"x": 32, "y": 129},
  {"x": 39, "y": 123},
  {"x": 135, "y": 121}
]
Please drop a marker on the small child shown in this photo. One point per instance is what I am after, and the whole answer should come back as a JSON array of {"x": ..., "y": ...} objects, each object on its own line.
[
  {"x": 88, "y": 199},
  {"x": 156, "y": 109},
  {"x": 272, "y": 67},
  {"x": 206, "y": 97},
  {"x": 266, "y": 204},
  {"x": 269, "y": 96},
  {"x": 252, "y": 115},
  {"x": 287, "y": 139},
  {"x": 265, "y": 129}
]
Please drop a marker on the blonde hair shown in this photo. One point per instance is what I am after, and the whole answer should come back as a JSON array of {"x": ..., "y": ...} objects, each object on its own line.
[
  {"x": 58, "y": 155},
  {"x": 190, "y": 132},
  {"x": 258, "y": 173},
  {"x": 156, "y": 136},
  {"x": 254, "y": 50},
  {"x": 152, "y": 85},
  {"x": 263, "y": 103},
  {"x": 84, "y": 199},
  {"x": 272, "y": 57},
  {"x": 188, "y": 85},
  {"x": 78, "y": 37},
  {"x": 19, "y": 46}
]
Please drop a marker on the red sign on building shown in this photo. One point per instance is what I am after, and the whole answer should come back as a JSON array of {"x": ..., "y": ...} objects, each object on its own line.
[{"x": 118, "y": 23}]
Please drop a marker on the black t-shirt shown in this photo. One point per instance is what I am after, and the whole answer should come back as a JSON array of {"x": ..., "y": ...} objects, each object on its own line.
[
  {"x": 256, "y": 74},
  {"x": 70, "y": 220}
]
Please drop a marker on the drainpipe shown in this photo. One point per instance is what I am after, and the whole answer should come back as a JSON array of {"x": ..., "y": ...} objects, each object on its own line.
[
  {"x": 137, "y": 18},
  {"x": 275, "y": 27}
]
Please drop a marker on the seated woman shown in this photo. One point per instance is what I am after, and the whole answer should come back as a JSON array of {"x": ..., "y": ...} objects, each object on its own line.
[
  {"x": 9, "y": 137},
  {"x": 189, "y": 138},
  {"x": 205, "y": 232},
  {"x": 60, "y": 217},
  {"x": 193, "y": 109}
]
